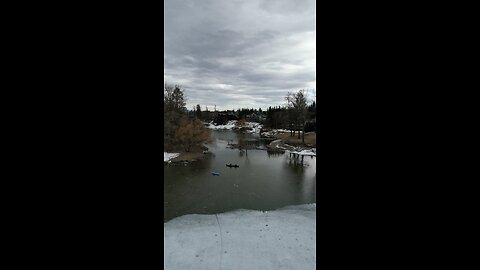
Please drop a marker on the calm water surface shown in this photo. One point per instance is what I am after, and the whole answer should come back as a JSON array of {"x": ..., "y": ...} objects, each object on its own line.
[{"x": 262, "y": 182}]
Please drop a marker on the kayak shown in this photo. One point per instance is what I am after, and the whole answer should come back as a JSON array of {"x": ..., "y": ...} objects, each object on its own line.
[
  {"x": 230, "y": 165},
  {"x": 215, "y": 173}
]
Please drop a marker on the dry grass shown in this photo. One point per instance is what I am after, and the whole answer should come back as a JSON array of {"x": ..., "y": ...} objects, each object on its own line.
[{"x": 310, "y": 138}]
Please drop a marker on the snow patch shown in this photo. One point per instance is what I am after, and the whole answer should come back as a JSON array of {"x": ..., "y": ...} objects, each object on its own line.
[
  {"x": 255, "y": 127},
  {"x": 228, "y": 125},
  {"x": 168, "y": 156},
  {"x": 274, "y": 132},
  {"x": 307, "y": 152}
]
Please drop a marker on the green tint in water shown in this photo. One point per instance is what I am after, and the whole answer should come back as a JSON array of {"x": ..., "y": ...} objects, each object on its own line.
[{"x": 262, "y": 182}]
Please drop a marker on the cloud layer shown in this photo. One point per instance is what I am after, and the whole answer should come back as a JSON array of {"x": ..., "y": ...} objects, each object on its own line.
[{"x": 239, "y": 54}]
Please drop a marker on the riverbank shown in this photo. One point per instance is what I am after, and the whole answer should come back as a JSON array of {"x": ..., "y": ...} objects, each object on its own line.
[
  {"x": 168, "y": 156},
  {"x": 196, "y": 154},
  {"x": 190, "y": 156},
  {"x": 247, "y": 127},
  {"x": 277, "y": 134},
  {"x": 282, "y": 142},
  {"x": 310, "y": 139}
]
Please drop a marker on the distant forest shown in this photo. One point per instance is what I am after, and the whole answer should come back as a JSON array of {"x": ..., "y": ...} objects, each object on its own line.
[{"x": 276, "y": 117}]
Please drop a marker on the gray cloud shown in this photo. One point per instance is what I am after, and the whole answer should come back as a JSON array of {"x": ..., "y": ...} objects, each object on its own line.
[{"x": 236, "y": 54}]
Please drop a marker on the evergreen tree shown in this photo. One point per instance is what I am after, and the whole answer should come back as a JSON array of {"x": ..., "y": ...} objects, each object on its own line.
[{"x": 198, "y": 112}]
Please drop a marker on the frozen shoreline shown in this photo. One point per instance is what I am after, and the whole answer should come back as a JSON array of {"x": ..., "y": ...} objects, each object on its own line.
[{"x": 243, "y": 239}]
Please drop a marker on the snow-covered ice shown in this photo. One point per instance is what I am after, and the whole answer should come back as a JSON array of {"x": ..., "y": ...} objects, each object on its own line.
[
  {"x": 168, "y": 156},
  {"x": 243, "y": 239}
]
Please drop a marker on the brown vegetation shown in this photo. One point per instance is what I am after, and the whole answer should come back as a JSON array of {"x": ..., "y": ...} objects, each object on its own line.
[
  {"x": 240, "y": 123},
  {"x": 180, "y": 132},
  {"x": 310, "y": 139},
  {"x": 191, "y": 133}
]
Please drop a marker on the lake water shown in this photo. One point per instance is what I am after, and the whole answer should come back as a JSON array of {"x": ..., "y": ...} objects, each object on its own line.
[{"x": 262, "y": 182}]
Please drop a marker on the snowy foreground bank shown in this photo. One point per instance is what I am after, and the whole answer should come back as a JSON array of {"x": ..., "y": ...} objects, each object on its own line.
[
  {"x": 168, "y": 156},
  {"x": 243, "y": 239}
]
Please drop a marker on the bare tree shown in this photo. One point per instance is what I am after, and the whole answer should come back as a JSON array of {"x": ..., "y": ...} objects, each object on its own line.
[
  {"x": 297, "y": 104},
  {"x": 173, "y": 112},
  {"x": 173, "y": 98},
  {"x": 192, "y": 133},
  {"x": 199, "y": 112}
]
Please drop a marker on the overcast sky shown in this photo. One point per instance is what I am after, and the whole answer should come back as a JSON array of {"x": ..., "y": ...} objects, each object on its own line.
[{"x": 240, "y": 54}]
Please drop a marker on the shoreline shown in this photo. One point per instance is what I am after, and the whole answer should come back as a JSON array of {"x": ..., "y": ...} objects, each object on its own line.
[
  {"x": 282, "y": 141},
  {"x": 187, "y": 157}
]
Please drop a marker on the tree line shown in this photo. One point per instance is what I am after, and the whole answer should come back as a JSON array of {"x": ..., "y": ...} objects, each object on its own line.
[
  {"x": 275, "y": 116},
  {"x": 186, "y": 129},
  {"x": 299, "y": 113}
]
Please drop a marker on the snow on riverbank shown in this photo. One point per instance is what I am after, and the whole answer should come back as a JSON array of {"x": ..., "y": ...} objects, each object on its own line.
[
  {"x": 274, "y": 132},
  {"x": 306, "y": 152},
  {"x": 168, "y": 156},
  {"x": 243, "y": 239},
  {"x": 228, "y": 125},
  {"x": 255, "y": 127}
]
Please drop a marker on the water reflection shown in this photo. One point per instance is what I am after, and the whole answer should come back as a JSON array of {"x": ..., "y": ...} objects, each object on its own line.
[
  {"x": 274, "y": 154},
  {"x": 263, "y": 181},
  {"x": 295, "y": 165}
]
